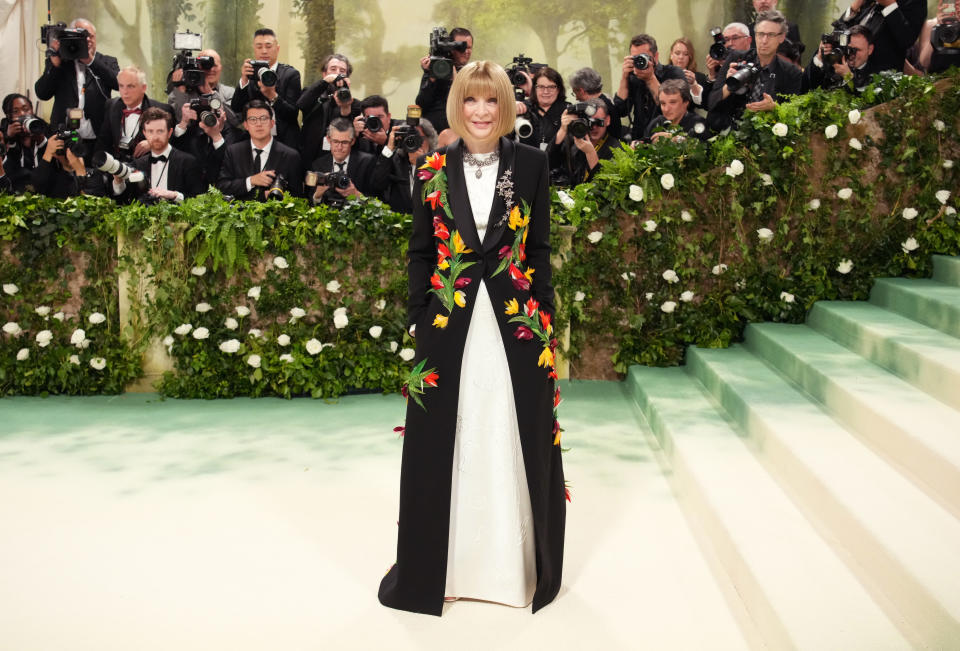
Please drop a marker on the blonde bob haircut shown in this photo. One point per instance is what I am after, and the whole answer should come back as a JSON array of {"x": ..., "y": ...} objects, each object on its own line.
[{"x": 482, "y": 79}]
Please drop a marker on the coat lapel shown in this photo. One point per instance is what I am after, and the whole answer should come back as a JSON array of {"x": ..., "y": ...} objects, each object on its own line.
[
  {"x": 500, "y": 211},
  {"x": 458, "y": 199}
]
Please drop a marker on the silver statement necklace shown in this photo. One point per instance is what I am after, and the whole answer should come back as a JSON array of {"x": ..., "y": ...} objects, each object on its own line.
[{"x": 480, "y": 163}]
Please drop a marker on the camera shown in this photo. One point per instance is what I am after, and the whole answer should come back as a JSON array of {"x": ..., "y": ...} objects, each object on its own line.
[
  {"x": 744, "y": 79},
  {"x": 642, "y": 61},
  {"x": 441, "y": 52},
  {"x": 945, "y": 35},
  {"x": 838, "y": 40},
  {"x": 718, "y": 49},
  {"x": 194, "y": 68},
  {"x": 372, "y": 122},
  {"x": 406, "y": 138},
  {"x": 332, "y": 179},
  {"x": 263, "y": 73},
  {"x": 276, "y": 188},
  {"x": 524, "y": 127},
  {"x": 870, "y": 16},
  {"x": 585, "y": 121},
  {"x": 207, "y": 108},
  {"x": 339, "y": 90},
  {"x": 32, "y": 125},
  {"x": 104, "y": 162},
  {"x": 73, "y": 42},
  {"x": 520, "y": 65}
]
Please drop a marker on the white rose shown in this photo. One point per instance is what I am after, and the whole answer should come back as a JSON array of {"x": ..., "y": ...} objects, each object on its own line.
[
  {"x": 10, "y": 288},
  {"x": 44, "y": 337},
  {"x": 594, "y": 237},
  {"x": 735, "y": 168},
  {"x": 766, "y": 179},
  {"x": 203, "y": 308},
  {"x": 636, "y": 192},
  {"x": 909, "y": 245},
  {"x": 718, "y": 269},
  {"x": 813, "y": 204},
  {"x": 183, "y": 329},
  {"x": 12, "y": 328},
  {"x": 376, "y": 331},
  {"x": 765, "y": 234},
  {"x": 231, "y": 323},
  {"x": 780, "y": 129},
  {"x": 59, "y": 316},
  {"x": 255, "y": 332},
  {"x": 96, "y": 318},
  {"x": 406, "y": 354},
  {"x": 686, "y": 216},
  {"x": 201, "y": 333},
  {"x": 951, "y": 210},
  {"x": 671, "y": 276},
  {"x": 667, "y": 181},
  {"x": 649, "y": 225},
  {"x": 74, "y": 359},
  {"x": 856, "y": 144},
  {"x": 198, "y": 271},
  {"x": 283, "y": 340},
  {"x": 77, "y": 337},
  {"x": 229, "y": 346},
  {"x": 381, "y": 304},
  {"x": 23, "y": 354},
  {"x": 942, "y": 196},
  {"x": 939, "y": 125},
  {"x": 254, "y": 361},
  {"x": 168, "y": 341},
  {"x": 786, "y": 297},
  {"x": 297, "y": 313},
  {"x": 42, "y": 310},
  {"x": 853, "y": 116},
  {"x": 98, "y": 363},
  {"x": 85, "y": 344},
  {"x": 242, "y": 310},
  {"x": 333, "y": 286},
  {"x": 910, "y": 213},
  {"x": 313, "y": 346},
  {"x": 845, "y": 266},
  {"x": 668, "y": 307},
  {"x": 393, "y": 346},
  {"x": 687, "y": 296},
  {"x": 280, "y": 262},
  {"x": 254, "y": 292},
  {"x": 566, "y": 200},
  {"x": 286, "y": 357},
  {"x": 844, "y": 193},
  {"x": 831, "y": 131},
  {"x": 340, "y": 319},
  {"x": 625, "y": 276},
  {"x": 579, "y": 296},
  {"x": 948, "y": 164}
]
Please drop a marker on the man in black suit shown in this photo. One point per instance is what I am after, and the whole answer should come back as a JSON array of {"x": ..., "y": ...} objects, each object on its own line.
[
  {"x": 342, "y": 157},
  {"x": 895, "y": 26},
  {"x": 639, "y": 86},
  {"x": 372, "y": 141},
  {"x": 677, "y": 120},
  {"x": 395, "y": 168},
  {"x": 321, "y": 104},
  {"x": 121, "y": 133},
  {"x": 776, "y": 80},
  {"x": 853, "y": 71},
  {"x": 170, "y": 174},
  {"x": 432, "y": 97},
  {"x": 793, "y": 32},
  {"x": 281, "y": 97},
  {"x": 250, "y": 167},
  {"x": 96, "y": 76}
]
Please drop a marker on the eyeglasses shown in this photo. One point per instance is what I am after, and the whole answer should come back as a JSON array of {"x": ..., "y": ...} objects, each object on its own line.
[
  {"x": 342, "y": 143},
  {"x": 259, "y": 118},
  {"x": 730, "y": 39},
  {"x": 550, "y": 88},
  {"x": 762, "y": 36}
]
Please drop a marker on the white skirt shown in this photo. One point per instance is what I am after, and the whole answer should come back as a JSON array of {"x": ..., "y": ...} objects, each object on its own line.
[{"x": 491, "y": 548}]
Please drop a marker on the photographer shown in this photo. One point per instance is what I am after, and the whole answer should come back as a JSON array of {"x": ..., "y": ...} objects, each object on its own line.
[
  {"x": 342, "y": 158},
  {"x": 831, "y": 68},
  {"x": 25, "y": 138},
  {"x": 121, "y": 134},
  {"x": 374, "y": 134},
  {"x": 433, "y": 92},
  {"x": 544, "y": 110},
  {"x": 677, "y": 119},
  {"x": 60, "y": 172},
  {"x": 759, "y": 77},
  {"x": 735, "y": 36},
  {"x": 95, "y": 75},
  {"x": 170, "y": 174},
  {"x": 586, "y": 84},
  {"x": 895, "y": 26},
  {"x": 281, "y": 90},
  {"x": 396, "y": 167},
  {"x": 793, "y": 32},
  {"x": 251, "y": 168},
  {"x": 640, "y": 83},
  {"x": 576, "y": 157},
  {"x": 324, "y": 101},
  {"x": 938, "y": 40}
]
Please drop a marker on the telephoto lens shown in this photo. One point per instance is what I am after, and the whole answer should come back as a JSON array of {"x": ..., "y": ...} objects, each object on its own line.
[{"x": 104, "y": 162}]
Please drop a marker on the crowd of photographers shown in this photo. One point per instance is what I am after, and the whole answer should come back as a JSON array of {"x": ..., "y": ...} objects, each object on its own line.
[{"x": 267, "y": 135}]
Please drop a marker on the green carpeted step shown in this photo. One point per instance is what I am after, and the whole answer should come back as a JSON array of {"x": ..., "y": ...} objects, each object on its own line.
[
  {"x": 914, "y": 431},
  {"x": 901, "y": 539},
  {"x": 924, "y": 357},
  {"x": 946, "y": 269},
  {"x": 798, "y": 592},
  {"x": 927, "y": 301}
]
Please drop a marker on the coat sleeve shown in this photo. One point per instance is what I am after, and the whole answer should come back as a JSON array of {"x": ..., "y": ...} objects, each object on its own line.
[
  {"x": 905, "y": 23},
  {"x": 538, "y": 240},
  {"x": 286, "y": 104},
  {"x": 231, "y": 180},
  {"x": 106, "y": 68},
  {"x": 46, "y": 86},
  {"x": 421, "y": 254}
]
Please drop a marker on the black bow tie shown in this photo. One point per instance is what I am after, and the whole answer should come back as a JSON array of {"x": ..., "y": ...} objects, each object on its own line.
[{"x": 158, "y": 159}]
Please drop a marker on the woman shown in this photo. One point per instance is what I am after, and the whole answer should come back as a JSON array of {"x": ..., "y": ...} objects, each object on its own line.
[
  {"x": 683, "y": 56},
  {"x": 481, "y": 491},
  {"x": 545, "y": 108}
]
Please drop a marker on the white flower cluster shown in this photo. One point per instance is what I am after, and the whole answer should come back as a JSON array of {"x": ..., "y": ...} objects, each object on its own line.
[
  {"x": 565, "y": 200},
  {"x": 735, "y": 168}
]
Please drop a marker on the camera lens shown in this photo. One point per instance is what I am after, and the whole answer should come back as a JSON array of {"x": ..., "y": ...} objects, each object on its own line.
[
  {"x": 373, "y": 123},
  {"x": 267, "y": 77}
]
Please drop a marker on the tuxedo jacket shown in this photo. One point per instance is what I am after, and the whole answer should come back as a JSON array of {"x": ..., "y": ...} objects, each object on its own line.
[
  {"x": 183, "y": 172},
  {"x": 390, "y": 180},
  {"x": 688, "y": 123},
  {"x": 285, "y": 108},
  {"x": 238, "y": 165},
  {"x": 108, "y": 138},
  {"x": 198, "y": 144},
  {"x": 779, "y": 79},
  {"x": 359, "y": 168},
  {"x": 60, "y": 83}
]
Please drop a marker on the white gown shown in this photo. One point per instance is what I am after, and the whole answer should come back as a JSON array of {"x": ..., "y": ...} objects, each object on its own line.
[{"x": 491, "y": 547}]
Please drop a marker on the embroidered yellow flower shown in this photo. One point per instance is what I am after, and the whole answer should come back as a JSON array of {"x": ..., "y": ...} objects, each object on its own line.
[
  {"x": 512, "y": 306},
  {"x": 443, "y": 265},
  {"x": 458, "y": 244},
  {"x": 529, "y": 274},
  {"x": 460, "y": 298},
  {"x": 440, "y": 321},
  {"x": 546, "y": 357},
  {"x": 515, "y": 219}
]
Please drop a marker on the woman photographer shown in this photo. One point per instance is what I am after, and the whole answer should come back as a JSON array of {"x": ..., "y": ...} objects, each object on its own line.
[
  {"x": 683, "y": 56},
  {"x": 545, "y": 108}
]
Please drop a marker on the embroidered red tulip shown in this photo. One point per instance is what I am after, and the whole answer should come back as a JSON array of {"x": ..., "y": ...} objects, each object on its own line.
[
  {"x": 436, "y": 281},
  {"x": 440, "y": 229},
  {"x": 523, "y": 333},
  {"x": 401, "y": 430},
  {"x": 435, "y": 199},
  {"x": 530, "y": 307},
  {"x": 460, "y": 283}
]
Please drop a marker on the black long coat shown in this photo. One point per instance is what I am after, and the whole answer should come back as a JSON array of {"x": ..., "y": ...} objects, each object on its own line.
[{"x": 417, "y": 581}]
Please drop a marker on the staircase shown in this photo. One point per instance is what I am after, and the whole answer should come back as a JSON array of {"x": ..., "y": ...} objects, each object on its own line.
[{"x": 820, "y": 467}]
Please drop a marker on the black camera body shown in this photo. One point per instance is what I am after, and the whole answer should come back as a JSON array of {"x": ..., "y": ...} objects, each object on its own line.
[
  {"x": 207, "y": 108},
  {"x": 73, "y": 44},
  {"x": 718, "y": 49},
  {"x": 520, "y": 64},
  {"x": 642, "y": 61},
  {"x": 372, "y": 123},
  {"x": 263, "y": 73},
  {"x": 338, "y": 89},
  {"x": 945, "y": 36},
  {"x": 743, "y": 81},
  {"x": 585, "y": 121},
  {"x": 71, "y": 140},
  {"x": 870, "y": 16},
  {"x": 839, "y": 42},
  {"x": 441, "y": 53},
  {"x": 339, "y": 180},
  {"x": 406, "y": 138},
  {"x": 194, "y": 68},
  {"x": 276, "y": 188},
  {"x": 32, "y": 124}
]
